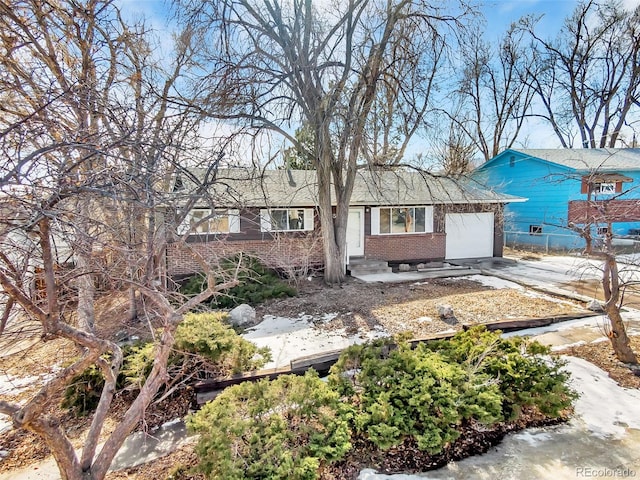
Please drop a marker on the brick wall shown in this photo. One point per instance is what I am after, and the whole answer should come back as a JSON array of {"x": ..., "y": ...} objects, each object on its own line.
[
  {"x": 282, "y": 253},
  {"x": 581, "y": 211},
  {"x": 404, "y": 248}
]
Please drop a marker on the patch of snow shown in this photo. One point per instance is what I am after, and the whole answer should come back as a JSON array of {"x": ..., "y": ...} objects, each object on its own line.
[
  {"x": 601, "y": 339},
  {"x": 12, "y": 386},
  {"x": 292, "y": 338},
  {"x": 327, "y": 317},
  {"x": 424, "y": 319},
  {"x": 596, "y": 408},
  {"x": 175, "y": 421},
  {"x": 568, "y": 345},
  {"x": 533, "y": 437},
  {"x": 593, "y": 322},
  {"x": 370, "y": 474},
  {"x": 494, "y": 282}
]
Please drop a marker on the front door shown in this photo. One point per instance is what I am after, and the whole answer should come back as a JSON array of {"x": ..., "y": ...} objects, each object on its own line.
[{"x": 355, "y": 233}]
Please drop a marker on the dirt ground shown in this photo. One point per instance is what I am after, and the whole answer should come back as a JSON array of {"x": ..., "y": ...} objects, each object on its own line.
[
  {"x": 358, "y": 307},
  {"x": 400, "y": 307}
]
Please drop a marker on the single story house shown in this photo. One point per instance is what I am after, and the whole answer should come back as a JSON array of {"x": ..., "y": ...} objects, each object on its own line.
[
  {"x": 567, "y": 190},
  {"x": 395, "y": 216}
]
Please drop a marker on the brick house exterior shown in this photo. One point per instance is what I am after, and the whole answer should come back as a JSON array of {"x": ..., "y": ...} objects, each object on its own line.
[{"x": 398, "y": 217}]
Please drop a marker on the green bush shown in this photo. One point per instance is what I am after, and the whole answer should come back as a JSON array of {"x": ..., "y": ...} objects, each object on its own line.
[
  {"x": 283, "y": 429},
  {"x": 400, "y": 392},
  {"x": 209, "y": 336},
  {"x": 257, "y": 284},
  {"x": 201, "y": 338},
  {"x": 384, "y": 392},
  {"x": 526, "y": 374},
  {"x": 83, "y": 394},
  {"x": 426, "y": 393}
]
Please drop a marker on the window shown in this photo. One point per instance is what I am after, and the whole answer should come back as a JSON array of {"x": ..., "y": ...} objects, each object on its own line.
[
  {"x": 400, "y": 220},
  {"x": 535, "y": 229},
  {"x": 286, "y": 219},
  {"x": 606, "y": 188},
  {"x": 205, "y": 220},
  {"x": 604, "y": 184},
  {"x": 603, "y": 230}
]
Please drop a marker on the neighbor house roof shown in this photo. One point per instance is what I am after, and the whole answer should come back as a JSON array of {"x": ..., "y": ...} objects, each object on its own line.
[
  {"x": 601, "y": 159},
  {"x": 280, "y": 188}
]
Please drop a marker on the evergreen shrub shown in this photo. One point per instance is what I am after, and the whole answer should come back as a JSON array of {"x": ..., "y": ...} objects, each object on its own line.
[
  {"x": 280, "y": 429},
  {"x": 204, "y": 336},
  {"x": 257, "y": 284}
]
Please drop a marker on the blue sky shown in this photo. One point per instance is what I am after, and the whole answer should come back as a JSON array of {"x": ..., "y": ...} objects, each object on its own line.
[{"x": 499, "y": 14}]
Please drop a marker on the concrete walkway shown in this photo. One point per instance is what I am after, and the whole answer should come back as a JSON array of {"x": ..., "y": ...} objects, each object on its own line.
[{"x": 413, "y": 276}]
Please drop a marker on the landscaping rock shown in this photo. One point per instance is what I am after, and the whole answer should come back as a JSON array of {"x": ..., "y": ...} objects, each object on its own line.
[
  {"x": 595, "y": 306},
  {"x": 446, "y": 314},
  {"x": 243, "y": 315},
  {"x": 445, "y": 311}
]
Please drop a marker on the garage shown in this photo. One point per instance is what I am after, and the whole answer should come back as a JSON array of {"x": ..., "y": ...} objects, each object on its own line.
[{"x": 469, "y": 235}]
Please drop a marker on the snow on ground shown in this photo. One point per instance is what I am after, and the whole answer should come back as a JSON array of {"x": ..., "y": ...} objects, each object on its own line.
[
  {"x": 605, "y": 408},
  {"x": 493, "y": 282},
  {"x": 292, "y": 338},
  {"x": 11, "y": 386}
]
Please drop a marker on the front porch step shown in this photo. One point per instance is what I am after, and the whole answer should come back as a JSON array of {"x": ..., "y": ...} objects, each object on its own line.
[{"x": 363, "y": 266}]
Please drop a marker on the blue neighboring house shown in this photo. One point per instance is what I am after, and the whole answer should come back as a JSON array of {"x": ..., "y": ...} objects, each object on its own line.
[{"x": 566, "y": 187}]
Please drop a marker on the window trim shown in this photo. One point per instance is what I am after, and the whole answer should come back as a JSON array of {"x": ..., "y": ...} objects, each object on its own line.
[
  {"x": 266, "y": 224},
  {"x": 428, "y": 219}
]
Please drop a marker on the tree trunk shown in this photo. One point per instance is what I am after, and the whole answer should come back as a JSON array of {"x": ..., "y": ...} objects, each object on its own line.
[
  {"x": 611, "y": 288},
  {"x": 334, "y": 268},
  {"x": 85, "y": 282},
  {"x": 619, "y": 338}
]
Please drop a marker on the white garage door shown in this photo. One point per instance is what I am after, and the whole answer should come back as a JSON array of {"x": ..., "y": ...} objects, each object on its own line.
[{"x": 469, "y": 235}]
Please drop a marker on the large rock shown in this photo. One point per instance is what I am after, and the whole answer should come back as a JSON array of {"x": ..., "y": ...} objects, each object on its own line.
[
  {"x": 446, "y": 314},
  {"x": 595, "y": 306},
  {"x": 445, "y": 311},
  {"x": 243, "y": 315}
]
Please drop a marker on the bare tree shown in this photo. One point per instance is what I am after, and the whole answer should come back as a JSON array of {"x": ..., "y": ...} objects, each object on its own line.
[
  {"x": 495, "y": 101},
  {"x": 588, "y": 79},
  {"x": 584, "y": 216},
  {"x": 325, "y": 65},
  {"x": 89, "y": 144},
  {"x": 455, "y": 153}
]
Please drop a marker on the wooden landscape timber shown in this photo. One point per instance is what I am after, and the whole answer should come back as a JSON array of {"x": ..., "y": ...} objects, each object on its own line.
[
  {"x": 516, "y": 325},
  {"x": 207, "y": 390}
]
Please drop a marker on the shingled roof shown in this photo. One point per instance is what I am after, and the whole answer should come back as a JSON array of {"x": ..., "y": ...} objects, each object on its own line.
[
  {"x": 254, "y": 188},
  {"x": 589, "y": 159}
]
